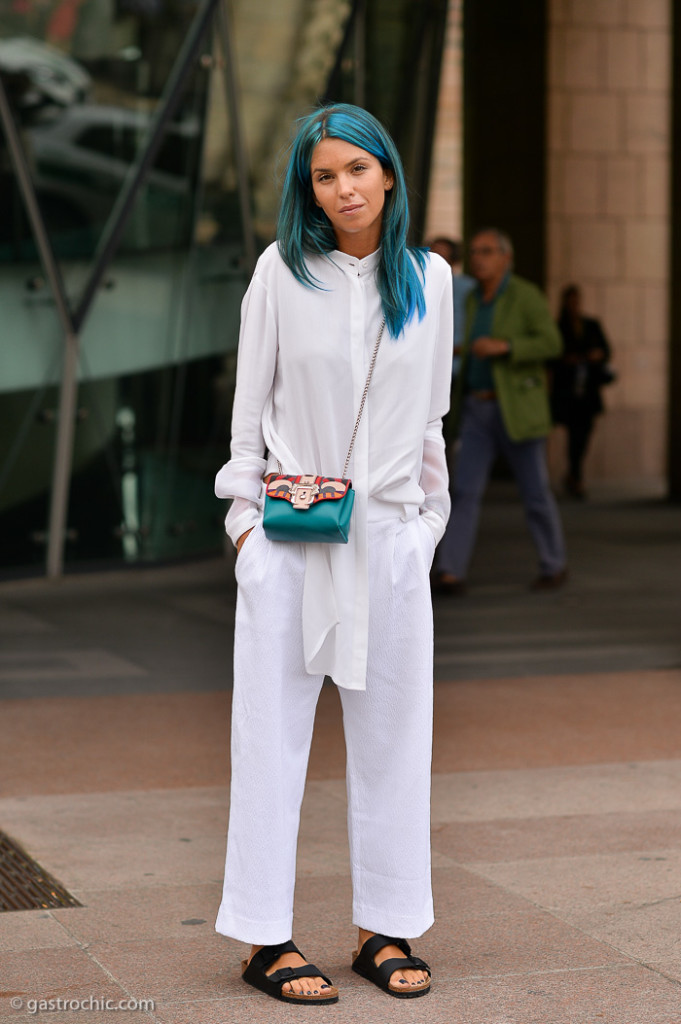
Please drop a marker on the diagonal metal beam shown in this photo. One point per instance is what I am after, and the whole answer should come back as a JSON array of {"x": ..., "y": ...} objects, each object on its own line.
[
  {"x": 183, "y": 67},
  {"x": 42, "y": 239},
  {"x": 240, "y": 150},
  {"x": 351, "y": 32}
]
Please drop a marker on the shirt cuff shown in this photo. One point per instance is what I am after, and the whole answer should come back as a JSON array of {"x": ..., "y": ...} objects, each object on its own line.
[
  {"x": 242, "y": 516},
  {"x": 434, "y": 522}
]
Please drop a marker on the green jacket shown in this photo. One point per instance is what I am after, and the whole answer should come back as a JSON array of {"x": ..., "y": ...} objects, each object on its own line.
[{"x": 523, "y": 318}]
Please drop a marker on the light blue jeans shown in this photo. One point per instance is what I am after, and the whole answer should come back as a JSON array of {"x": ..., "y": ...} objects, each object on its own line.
[{"x": 483, "y": 437}]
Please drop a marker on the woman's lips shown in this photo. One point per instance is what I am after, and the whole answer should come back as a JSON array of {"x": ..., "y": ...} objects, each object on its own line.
[{"x": 351, "y": 209}]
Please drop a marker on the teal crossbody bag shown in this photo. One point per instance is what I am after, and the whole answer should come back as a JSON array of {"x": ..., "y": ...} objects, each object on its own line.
[{"x": 314, "y": 509}]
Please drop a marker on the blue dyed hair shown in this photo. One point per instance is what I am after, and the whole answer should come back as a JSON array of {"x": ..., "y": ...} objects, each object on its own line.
[{"x": 304, "y": 228}]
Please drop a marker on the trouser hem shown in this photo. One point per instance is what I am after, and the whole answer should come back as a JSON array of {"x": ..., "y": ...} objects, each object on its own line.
[
  {"x": 256, "y": 933},
  {"x": 373, "y": 919}
]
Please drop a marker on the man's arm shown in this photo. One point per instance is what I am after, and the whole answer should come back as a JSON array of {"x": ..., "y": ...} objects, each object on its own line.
[
  {"x": 540, "y": 338},
  {"x": 488, "y": 348}
]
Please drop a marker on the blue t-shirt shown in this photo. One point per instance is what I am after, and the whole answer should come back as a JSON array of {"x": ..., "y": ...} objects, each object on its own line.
[
  {"x": 479, "y": 371},
  {"x": 462, "y": 284}
]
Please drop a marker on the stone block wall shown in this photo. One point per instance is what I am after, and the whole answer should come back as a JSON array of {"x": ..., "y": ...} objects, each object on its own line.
[
  {"x": 444, "y": 214},
  {"x": 608, "y": 206}
]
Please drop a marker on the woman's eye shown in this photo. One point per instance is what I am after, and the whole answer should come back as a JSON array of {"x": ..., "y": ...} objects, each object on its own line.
[
  {"x": 324, "y": 177},
  {"x": 359, "y": 167}
]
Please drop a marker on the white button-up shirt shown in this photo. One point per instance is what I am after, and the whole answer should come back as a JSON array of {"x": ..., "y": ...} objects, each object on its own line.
[{"x": 303, "y": 360}]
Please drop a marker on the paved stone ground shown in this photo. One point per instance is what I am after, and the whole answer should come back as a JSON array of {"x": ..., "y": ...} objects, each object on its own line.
[{"x": 556, "y": 797}]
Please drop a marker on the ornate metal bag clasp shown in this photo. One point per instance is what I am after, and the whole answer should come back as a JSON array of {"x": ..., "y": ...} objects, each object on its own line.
[{"x": 304, "y": 492}]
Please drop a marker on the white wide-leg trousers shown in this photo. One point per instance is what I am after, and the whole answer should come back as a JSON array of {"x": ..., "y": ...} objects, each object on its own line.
[{"x": 388, "y": 735}]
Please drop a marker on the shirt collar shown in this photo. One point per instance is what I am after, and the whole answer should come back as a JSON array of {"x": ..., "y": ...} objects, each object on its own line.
[
  {"x": 503, "y": 285},
  {"x": 355, "y": 267}
]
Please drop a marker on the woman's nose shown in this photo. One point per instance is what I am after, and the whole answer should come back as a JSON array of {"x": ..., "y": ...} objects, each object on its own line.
[{"x": 345, "y": 184}]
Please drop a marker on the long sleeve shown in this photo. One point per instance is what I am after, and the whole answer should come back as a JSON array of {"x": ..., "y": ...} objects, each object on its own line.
[
  {"x": 600, "y": 340},
  {"x": 434, "y": 479},
  {"x": 536, "y": 336},
  {"x": 241, "y": 477}
]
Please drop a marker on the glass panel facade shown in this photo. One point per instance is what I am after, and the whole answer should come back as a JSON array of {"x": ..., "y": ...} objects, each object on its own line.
[
  {"x": 31, "y": 336},
  {"x": 103, "y": 93}
]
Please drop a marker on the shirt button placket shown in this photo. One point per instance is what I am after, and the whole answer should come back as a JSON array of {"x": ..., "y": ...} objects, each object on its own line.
[{"x": 359, "y": 474}]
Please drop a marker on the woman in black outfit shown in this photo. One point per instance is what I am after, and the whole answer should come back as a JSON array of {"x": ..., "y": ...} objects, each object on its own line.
[{"x": 578, "y": 377}]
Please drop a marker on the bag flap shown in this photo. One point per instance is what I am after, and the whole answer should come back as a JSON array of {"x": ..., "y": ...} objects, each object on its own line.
[{"x": 304, "y": 491}]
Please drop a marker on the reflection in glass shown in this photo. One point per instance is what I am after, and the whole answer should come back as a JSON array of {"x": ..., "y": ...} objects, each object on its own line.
[{"x": 87, "y": 82}]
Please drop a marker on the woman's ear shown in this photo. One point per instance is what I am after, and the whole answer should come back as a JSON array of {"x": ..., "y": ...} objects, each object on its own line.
[{"x": 388, "y": 180}]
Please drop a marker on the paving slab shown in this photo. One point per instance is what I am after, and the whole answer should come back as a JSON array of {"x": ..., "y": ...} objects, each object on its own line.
[
  {"x": 138, "y": 913},
  {"x": 38, "y": 929},
  {"x": 125, "y": 741},
  {"x": 596, "y": 882},
  {"x": 574, "y": 835},
  {"x": 161, "y": 969},
  {"x": 548, "y": 718},
  {"x": 650, "y": 934},
  {"x": 619, "y": 995},
  {"x": 55, "y": 973},
  {"x": 537, "y": 793},
  {"x": 166, "y": 814}
]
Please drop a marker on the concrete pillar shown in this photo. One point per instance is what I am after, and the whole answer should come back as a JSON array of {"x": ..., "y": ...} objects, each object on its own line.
[{"x": 608, "y": 208}]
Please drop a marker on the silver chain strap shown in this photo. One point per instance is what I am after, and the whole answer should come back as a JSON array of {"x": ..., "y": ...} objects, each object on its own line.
[
  {"x": 364, "y": 398},
  {"x": 362, "y": 404}
]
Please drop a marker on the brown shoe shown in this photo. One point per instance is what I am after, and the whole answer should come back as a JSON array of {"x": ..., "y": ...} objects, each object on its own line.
[
  {"x": 550, "y": 582},
  {"x": 575, "y": 488},
  {"x": 447, "y": 586}
]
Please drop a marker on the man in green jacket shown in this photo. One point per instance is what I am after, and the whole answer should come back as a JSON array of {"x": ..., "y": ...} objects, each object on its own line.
[{"x": 500, "y": 405}]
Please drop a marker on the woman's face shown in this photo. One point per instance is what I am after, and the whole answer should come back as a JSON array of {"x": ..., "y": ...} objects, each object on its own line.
[{"x": 350, "y": 185}]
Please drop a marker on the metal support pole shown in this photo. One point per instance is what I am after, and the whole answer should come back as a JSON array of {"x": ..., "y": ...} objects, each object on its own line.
[
  {"x": 63, "y": 458},
  {"x": 240, "y": 149}
]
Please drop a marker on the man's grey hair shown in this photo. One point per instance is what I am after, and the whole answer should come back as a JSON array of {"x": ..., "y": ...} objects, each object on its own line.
[{"x": 503, "y": 240}]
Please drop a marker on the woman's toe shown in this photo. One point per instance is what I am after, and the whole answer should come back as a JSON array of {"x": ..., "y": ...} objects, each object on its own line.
[{"x": 411, "y": 978}]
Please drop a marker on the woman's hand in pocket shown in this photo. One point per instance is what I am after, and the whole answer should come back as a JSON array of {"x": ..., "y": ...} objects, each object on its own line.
[{"x": 240, "y": 542}]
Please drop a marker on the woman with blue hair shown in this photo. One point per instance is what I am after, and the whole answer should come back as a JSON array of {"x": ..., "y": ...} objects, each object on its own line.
[{"x": 358, "y": 612}]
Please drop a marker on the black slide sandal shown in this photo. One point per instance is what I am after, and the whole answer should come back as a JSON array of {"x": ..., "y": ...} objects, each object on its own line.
[
  {"x": 364, "y": 965},
  {"x": 253, "y": 973}
]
